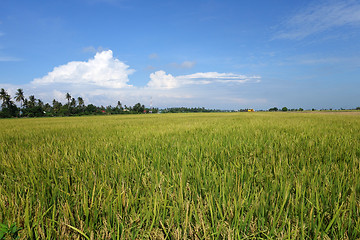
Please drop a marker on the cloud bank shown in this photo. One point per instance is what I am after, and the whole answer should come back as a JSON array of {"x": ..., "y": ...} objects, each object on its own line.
[
  {"x": 319, "y": 18},
  {"x": 104, "y": 80},
  {"x": 161, "y": 80}
]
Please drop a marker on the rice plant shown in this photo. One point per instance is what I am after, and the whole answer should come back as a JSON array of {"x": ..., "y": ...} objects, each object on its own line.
[{"x": 182, "y": 176}]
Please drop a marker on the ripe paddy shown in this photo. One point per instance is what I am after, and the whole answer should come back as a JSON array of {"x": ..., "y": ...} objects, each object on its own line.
[{"x": 188, "y": 176}]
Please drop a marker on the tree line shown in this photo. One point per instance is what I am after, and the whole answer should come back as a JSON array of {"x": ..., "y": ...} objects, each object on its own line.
[
  {"x": 188, "y": 110},
  {"x": 34, "y": 107}
]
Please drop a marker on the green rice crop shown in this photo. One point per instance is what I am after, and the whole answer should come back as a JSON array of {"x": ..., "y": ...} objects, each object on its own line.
[{"x": 182, "y": 176}]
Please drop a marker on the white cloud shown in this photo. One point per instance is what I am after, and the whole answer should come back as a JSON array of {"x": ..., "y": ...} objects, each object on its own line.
[
  {"x": 103, "y": 70},
  {"x": 58, "y": 95},
  {"x": 161, "y": 80},
  {"x": 319, "y": 18}
]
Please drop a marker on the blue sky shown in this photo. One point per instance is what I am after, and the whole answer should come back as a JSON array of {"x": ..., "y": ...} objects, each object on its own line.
[{"x": 225, "y": 54}]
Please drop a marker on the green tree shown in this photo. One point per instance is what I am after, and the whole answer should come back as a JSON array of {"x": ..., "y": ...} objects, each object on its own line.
[
  {"x": 40, "y": 103},
  {"x": 47, "y": 108},
  {"x": 274, "y": 109},
  {"x": 284, "y": 109},
  {"x": 56, "y": 106},
  {"x": 139, "y": 108},
  {"x": 90, "y": 109}
]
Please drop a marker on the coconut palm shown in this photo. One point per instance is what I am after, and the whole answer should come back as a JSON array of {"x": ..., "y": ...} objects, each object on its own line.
[
  {"x": 56, "y": 106},
  {"x": 73, "y": 102},
  {"x": 7, "y": 101},
  {"x": 19, "y": 96},
  {"x": 80, "y": 101},
  {"x": 26, "y": 103},
  {"x": 68, "y": 97},
  {"x": 3, "y": 93},
  {"x": 119, "y": 106},
  {"x": 5, "y": 97},
  {"x": 32, "y": 101},
  {"x": 40, "y": 103}
]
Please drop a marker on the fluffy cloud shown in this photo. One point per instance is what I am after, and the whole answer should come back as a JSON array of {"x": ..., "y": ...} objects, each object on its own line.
[
  {"x": 320, "y": 18},
  {"x": 161, "y": 80},
  {"x": 103, "y": 70}
]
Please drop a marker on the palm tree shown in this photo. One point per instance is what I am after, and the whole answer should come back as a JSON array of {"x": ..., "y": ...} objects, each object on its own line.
[
  {"x": 73, "y": 102},
  {"x": 81, "y": 104},
  {"x": 80, "y": 101},
  {"x": 47, "y": 108},
  {"x": 32, "y": 100},
  {"x": 40, "y": 103},
  {"x": 19, "y": 96},
  {"x": 3, "y": 94},
  {"x": 5, "y": 97},
  {"x": 26, "y": 103},
  {"x": 7, "y": 101},
  {"x": 119, "y": 106},
  {"x": 68, "y": 97},
  {"x": 56, "y": 106}
]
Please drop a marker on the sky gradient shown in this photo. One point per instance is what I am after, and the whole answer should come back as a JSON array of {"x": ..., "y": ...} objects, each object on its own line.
[{"x": 224, "y": 54}]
